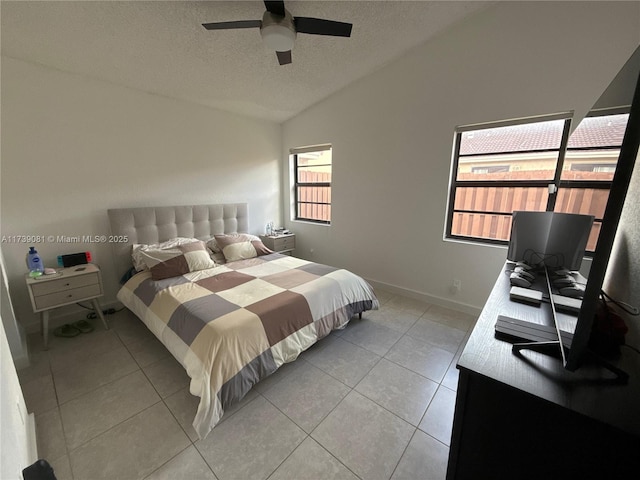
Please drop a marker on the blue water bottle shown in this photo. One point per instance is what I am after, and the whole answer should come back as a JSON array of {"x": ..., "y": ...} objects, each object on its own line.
[{"x": 36, "y": 268}]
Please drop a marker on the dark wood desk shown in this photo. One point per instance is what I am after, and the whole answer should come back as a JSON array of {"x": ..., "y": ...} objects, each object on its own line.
[{"x": 520, "y": 417}]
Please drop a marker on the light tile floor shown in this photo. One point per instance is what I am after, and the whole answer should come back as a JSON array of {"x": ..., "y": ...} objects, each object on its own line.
[{"x": 374, "y": 401}]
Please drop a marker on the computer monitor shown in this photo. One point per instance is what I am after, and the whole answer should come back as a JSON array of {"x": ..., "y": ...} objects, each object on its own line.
[
  {"x": 627, "y": 161},
  {"x": 550, "y": 239}
]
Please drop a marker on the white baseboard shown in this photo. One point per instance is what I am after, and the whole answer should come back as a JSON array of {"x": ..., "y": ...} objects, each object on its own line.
[
  {"x": 424, "y": 297},
  {"x": 32, "y": 441},
  {"x": 21, "y": 360}
]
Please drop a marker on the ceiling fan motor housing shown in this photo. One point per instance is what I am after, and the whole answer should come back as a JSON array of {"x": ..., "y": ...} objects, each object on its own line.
[{"x": 278, "y": 33}]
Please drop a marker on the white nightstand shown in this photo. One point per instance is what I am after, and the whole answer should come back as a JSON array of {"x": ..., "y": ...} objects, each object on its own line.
[
  {"x": 280, "y": 243},
  {"x": 69, "y": 285}
]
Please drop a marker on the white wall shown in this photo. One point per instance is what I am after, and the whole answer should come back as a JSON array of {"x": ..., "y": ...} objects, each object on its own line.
[
  {"x": 392, "y": 135},
  {"x": 620, "y": 91},
  {"x": 14, "y": 331},
  {"x": 17, "y": 435},
  {"x": 72, "y": 147},
  {"x": 623, "y": 273}
]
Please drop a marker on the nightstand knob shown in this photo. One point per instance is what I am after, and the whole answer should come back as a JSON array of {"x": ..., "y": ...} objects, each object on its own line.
[{"x": 67, "y": 284}]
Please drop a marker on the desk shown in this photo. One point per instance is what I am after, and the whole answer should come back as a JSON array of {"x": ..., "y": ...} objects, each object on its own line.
[{"x": 527, "y": 417}]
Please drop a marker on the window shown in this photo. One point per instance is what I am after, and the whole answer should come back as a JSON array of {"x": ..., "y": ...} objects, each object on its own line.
[
  {"x": 312, "y": 183},
  {"x": 531, "y": 165},
  {"x": 490, "y": 169},
  {"x": 589, "y": 165}
]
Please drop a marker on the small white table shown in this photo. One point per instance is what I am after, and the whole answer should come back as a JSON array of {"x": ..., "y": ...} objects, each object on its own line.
[
  {"x": 284, "y": 243},
  {"x": 69, "y": 285}
]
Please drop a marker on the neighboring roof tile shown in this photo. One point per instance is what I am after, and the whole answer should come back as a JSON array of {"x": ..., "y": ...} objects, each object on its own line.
[
  {"x": 599, "y": 131},
  {"x": 592, "y": 132}
]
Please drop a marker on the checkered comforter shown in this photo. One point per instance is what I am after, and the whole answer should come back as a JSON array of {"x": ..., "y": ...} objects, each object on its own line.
[{"x": 235, "y": 324}]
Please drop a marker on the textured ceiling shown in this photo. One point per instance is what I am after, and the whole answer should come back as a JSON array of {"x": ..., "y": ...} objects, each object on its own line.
[{"x": 161, "y": 47}]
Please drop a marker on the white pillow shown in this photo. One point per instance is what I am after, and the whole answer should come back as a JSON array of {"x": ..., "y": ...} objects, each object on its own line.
[
  {"x": 176, "y": 261},
  {"x": 137, "y": 249},
  {"x": 215, "y": 248},
  {"x": 241, "y": 246}
]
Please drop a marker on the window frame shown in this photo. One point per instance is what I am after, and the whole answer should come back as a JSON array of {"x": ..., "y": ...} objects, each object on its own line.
[
  {"x": 296, "y": 201},
  {"x": 556, "y": 183}
]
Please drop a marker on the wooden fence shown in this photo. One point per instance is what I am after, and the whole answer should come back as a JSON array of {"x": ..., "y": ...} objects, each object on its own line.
[
  {"x": 314, "y": 202},
  {"x": 502, "y": 201}
]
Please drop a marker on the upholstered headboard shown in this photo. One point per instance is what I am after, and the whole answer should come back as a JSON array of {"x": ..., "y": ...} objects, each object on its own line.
[{"x": 157, "y": 224}]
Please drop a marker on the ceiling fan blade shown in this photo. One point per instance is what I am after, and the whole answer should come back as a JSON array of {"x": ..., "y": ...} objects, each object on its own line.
[
  {"x": 236, "y": 24},
  {"x": 277, "y": 8},
  {"x": 284, "y": 57},
  {"x": 319, "y": 26}
]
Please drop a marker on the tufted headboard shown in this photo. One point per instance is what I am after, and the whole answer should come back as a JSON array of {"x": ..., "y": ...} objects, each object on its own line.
[{"x": 157, "y": 224}]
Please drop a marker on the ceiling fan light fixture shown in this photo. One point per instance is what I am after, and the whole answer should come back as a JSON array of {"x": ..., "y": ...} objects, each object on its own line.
[
  {"x": 278, "y": 37},
  {"x": 279, "y": 29}
]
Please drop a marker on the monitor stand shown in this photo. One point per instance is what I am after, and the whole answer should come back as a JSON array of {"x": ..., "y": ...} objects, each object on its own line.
[{"x": 555, "y": 346}]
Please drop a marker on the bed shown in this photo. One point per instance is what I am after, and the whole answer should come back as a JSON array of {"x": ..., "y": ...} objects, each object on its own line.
[{"x": 233, "y": 320}]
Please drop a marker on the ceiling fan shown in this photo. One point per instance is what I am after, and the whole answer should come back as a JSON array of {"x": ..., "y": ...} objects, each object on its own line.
[{"x": 278, "y": 28}]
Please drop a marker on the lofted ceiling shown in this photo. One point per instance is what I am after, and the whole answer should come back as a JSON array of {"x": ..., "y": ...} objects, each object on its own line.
[{"x": 161, "y": 47}]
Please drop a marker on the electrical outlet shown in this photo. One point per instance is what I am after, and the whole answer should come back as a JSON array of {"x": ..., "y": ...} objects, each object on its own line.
[{"x": 456, "y": 286}]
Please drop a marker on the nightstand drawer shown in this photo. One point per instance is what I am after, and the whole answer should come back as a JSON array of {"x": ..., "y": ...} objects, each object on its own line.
[
  {"x": 280, "y": 243},
  {"x": 70, "y": 295},
  {"x": 284, "y": 243},
  {"x": 63, "y": 284}
]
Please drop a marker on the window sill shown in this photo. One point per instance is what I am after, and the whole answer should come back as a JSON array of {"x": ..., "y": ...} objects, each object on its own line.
[
  {"x": 306, "y": 222},
  {"x": 475, "y": 243}
]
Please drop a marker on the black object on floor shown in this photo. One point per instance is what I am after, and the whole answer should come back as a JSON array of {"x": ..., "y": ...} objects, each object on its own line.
[{"x": 40, "y": 470}]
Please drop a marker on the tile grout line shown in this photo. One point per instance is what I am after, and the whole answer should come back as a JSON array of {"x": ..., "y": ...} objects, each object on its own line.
[
  {"x": 309, "y": 434},
  {"x": 353, "y": 389},
  {"x": 68, "y": 449},
  {"x": 260, "y": 394}
]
